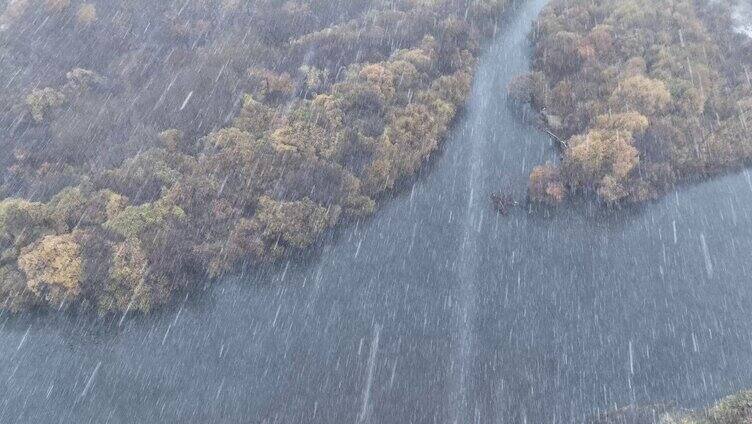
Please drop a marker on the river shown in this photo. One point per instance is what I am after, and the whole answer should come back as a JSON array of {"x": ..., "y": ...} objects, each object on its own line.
[{"x": 436, "y": 310}]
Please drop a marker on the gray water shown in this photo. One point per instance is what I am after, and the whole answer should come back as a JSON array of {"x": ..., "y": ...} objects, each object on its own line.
[{"x": 434, "y": 311}]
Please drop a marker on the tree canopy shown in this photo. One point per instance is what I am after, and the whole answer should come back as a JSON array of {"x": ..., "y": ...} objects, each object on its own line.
[
  {"x": 647, "y": 93},
  {"x": 176, "y": 140}
]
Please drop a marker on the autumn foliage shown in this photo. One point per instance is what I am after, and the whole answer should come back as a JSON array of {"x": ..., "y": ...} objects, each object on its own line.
[
  {"x": 646, "y": 93},
  {"x": 174, "y": 140}
]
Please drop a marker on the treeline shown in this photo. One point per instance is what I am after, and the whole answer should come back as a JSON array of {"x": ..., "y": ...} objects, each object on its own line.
[
  {"x": 733, "y": 409},
  {"x": 153, "y": 143},
  {"x": 645, "y": 93}
]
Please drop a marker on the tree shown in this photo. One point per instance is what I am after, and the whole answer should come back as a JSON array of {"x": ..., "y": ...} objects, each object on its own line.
[
  {"x": 86, "y": 15},
  {"x": 648, "y": 96},
  {"x": 69, "y": 208},
  {"x": 269, "y": 86},
  {"x": 560, "y": 54},
  {"x": 14, "y": 294},
  {"x": 21, "y": 222},
  {"x": 174, "y": 140},
  {"x": 545, "y": 185},
  {"x": 81, "y": 80},
  {"x": 54, "y": 268},
  {"x": 520, "y": 89},
  {"x": 41, "y": 101},
  {"x": 81, "y": 206},
  {"x": 57, "y": 6},
  {"x": 413, "y": 132},
  {"x": 284, "y": 225},
  {"x": 631, "y": 122},
  {"x": 611, "y": 190},
  {"x": 145, "y": 176},
  {"x": 600, "y": 154},
  {"x": 599, "y": 43},
  {"x": 142, "y": 220},
  {"x": 129, "y": 285},
  {"x": 254, "y": 118},
  {"x": 303, "y": 136},
  {"x": 379, "y": 76}
]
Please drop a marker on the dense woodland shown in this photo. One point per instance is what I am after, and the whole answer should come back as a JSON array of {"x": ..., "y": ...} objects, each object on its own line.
[
  {"x": 733, "y": 409},
  {"x": 645, "y": 94},
  {"x": 149, "y": 144}
]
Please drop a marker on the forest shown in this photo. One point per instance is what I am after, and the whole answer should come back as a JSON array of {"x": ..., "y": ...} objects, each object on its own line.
[
  {"x": 644, "y": 94},
  {"x": 151, "y": 145}
]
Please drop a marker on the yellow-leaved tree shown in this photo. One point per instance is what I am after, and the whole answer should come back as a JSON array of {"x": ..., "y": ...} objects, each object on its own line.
[{"x": 54, "y": 268}]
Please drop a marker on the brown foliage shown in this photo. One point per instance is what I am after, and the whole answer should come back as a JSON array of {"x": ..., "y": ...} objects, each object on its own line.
[
  {"x": 546, "y": 186},
  {"x": 643, "y": 97},
  {"x": 87, "y": 14},
  {"x": 184, "y": 141}
]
